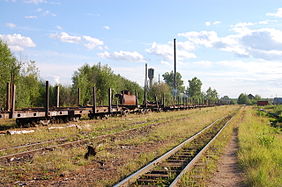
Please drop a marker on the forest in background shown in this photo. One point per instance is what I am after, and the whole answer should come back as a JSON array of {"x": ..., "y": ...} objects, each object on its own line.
[{"x": 30, "y": 88}]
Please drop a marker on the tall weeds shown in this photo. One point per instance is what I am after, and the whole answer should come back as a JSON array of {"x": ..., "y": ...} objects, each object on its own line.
[{"x": 260, "y": 152}]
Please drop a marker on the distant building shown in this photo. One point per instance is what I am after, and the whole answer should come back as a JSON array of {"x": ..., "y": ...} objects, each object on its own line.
[
  {"x": 251, "y": 97},
  {"x": 225, "y": 100},
  {"x": 277, "y": 101},
  {"x": 262, "y": 103}
]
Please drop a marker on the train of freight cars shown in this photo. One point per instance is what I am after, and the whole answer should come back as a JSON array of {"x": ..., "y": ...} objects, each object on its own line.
[{"x": 127, "y": 103}]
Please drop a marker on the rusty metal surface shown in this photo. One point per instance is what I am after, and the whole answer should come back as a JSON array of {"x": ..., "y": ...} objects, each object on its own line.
[{"x": 129, "y": 100}]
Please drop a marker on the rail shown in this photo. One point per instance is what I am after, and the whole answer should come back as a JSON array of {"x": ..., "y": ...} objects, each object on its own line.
[{"x": 160, "y": 176}]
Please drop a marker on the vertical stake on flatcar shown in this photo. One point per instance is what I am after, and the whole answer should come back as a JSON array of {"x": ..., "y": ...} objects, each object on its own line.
[
  {"x": 163, "y": 100},
  {"x": 156, "y": 100},
  {"x": 58, "y": 96},
  {"x": 78, "y": 96},
  {"x": 94, "y": 99},
  {"x": 136, "y": 95},
  {"x": 8, "y": 97},
  {"x": 13, "y": 100},
  {"x": 110, "y": 101},
  {"x": 47, "y": 99}
]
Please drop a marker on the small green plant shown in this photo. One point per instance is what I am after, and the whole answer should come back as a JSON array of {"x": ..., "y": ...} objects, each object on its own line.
[
  {"x": 266, "y": 140},
  {"x": 260, "y": 151}
]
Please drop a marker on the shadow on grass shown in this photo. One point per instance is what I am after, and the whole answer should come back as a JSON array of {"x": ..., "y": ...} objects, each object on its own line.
[{"x": 5, "y": 125}]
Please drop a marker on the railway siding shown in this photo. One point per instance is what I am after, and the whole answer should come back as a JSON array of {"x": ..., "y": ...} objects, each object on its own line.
[
  {"x": 104, "y": 169},
  {"x": 169, "y": 168}
]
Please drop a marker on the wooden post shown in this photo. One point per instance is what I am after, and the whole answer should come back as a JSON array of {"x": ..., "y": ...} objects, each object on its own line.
[
  {"x": 136, "y": 95},
  {"x": 110, "y": 101},
  {"x": 78, "y": 96},
  {"x": 13, "y": 101},
  {"x": 8, "y": 97},
  {"x": 94, "y": 99},
  {"x": 47, "y": 99},
  {"x": 163, "y": 100},
  {"x": 156, "y": 100},
  {"x": 58, "y": 96}
]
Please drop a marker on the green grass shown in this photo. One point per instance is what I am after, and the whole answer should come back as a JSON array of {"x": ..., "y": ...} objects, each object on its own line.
[
  {"x": 260, "y": 152},
  {"x": 210, "y": 159},
  {"x": 91, "y": 127},
  {"x": 52, "y": 164}
]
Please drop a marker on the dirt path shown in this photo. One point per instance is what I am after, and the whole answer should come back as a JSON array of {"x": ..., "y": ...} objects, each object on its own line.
[{"x": 228, "y": 173}]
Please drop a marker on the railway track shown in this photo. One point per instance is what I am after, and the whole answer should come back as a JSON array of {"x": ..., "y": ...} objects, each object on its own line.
[
  {"x": 28, "y": 154},
  {"x": 168, "y": 168},
  {"x": 65, "y": 139}
]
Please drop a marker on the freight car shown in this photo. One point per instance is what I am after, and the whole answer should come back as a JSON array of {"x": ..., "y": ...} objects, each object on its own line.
[
  {"x": 127, "y": 99},
  {"x": 127, "y": 103}
]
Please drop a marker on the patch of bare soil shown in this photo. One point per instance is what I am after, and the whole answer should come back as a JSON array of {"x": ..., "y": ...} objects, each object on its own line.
[
  {"x": 103, "y": 170},
  {"x": 228, "y": 173}
]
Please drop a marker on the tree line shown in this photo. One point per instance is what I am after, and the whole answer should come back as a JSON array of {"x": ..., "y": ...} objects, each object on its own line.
[
  {"x": 30, "y": 88},
  {"x": 193, "y": 92}
]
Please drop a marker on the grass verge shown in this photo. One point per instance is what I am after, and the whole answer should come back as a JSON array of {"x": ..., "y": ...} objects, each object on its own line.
[
  {"x": 208, "y": 164},
  {"x": 260, "y": 152}
]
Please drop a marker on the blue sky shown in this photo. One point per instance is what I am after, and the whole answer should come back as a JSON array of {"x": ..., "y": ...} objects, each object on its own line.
[{"x": 232, "y": 46}]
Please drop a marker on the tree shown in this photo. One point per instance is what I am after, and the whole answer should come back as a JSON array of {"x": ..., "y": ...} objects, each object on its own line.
[
  {"x": 169, "y": 77},
  {"x": 160, "y": 89},
  {"x": 243, "y": 99},
  {"x": 194, "y": 89},
  {"x": 211, "y": 95},
  {"x": 9, "y": 71},
  {"x": 28, "y": 86},
  {"x": 103, "y": 78}
]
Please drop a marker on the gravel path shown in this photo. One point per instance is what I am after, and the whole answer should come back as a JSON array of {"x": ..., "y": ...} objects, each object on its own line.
[{"x": 228, "y": 173}]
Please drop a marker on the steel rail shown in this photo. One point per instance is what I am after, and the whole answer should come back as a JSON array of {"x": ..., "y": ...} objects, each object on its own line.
[
  {"x": 82, "y": 141},
  {"x": 65, "y": 139},
  {"x": 133, "y": 177},
  {"x": 191, "y": 164}
]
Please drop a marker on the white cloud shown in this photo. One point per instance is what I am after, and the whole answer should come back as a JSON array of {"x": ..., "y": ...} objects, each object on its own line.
[
  {"x": 165, "y": 51},
  {"x": 206, "y": 64},
  {"x": 35, "y": 1},
  {"x": 106, "y": 27},
  {"x": 91, "y": 42},
  {"x": 65, "y": 37},
  {"x": 11, "y": 25},
  {"x": 59, "y": 27},
  {"x": 17, "y": 42},
  {"x": 205, "y": 38},
  {"x": 261, "y": 69},
  {"x": 278, "y": 13},
  {"x": 45, "y": 12},
  {"x": 261, "y": 43},
  {"x": 166, "y": 63},
  {"x": 123, "y": 56},
  {"x": 186, "y": 45},
  {"x": 210, "y": 23},
  {"x": 30, "y": 17},
  {"x": 87, "y": 41}
]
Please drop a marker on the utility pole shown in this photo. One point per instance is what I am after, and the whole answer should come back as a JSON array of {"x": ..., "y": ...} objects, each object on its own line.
[
  {"x": 145, "y": 87},
  {"x": 174, "y": 73}
]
